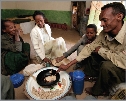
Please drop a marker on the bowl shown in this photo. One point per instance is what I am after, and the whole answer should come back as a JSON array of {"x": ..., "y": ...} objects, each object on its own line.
[{"x": 45, "y": 73}]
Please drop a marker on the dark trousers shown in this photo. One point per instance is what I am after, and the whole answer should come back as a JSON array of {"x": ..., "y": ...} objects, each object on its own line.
[{"x": 108, "y": 74}]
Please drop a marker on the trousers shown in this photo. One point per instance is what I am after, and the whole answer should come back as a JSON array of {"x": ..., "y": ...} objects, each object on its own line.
[{"x": 109, "y": 75}]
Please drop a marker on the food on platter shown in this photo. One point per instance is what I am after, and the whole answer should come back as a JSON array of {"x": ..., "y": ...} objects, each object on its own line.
[
  {"x": 50, "y": 78},
  {"x": 64, "y": 61},
  {"x": 50, "y": 93}
]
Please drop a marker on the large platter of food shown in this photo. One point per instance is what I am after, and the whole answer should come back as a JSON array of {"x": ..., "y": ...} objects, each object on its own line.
[{"x": 54, "y": 92}]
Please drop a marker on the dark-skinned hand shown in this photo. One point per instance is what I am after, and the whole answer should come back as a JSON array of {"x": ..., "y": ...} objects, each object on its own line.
[
  {"x": 47, "y": 60},
  {"x": 97, "y": 49},
  {"x": 59, "y": 59},
  {"x": 62, "y": 67}
]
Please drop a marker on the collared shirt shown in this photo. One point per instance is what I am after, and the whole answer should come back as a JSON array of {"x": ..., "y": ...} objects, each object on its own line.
[
  {"x": 37, "y": 40},
  {"x": 111, "y": 49},
  {"x": 45, "y": 35},
  {"x": 83, "y": 41},
  {"x": 9, "y": 44}
]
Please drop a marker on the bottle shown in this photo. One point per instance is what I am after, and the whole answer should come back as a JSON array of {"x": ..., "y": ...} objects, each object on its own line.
[{"x": 47, "y": 64}]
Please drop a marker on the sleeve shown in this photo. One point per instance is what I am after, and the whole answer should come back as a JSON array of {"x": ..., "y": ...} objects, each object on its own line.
[
  {"x": 119, "y": 59},
  {"x": 89, "y": 48},
  {"x": 36, "y": 44},
  {"x": 10, "y": 46},
  {"x": 74, "y": 48},
  {"x": 18, "y": 45}
]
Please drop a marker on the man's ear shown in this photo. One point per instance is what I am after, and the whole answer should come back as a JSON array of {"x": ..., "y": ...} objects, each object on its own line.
[
  {"x": 3, "y": 30},
  {"x": 119, "y": 16}
]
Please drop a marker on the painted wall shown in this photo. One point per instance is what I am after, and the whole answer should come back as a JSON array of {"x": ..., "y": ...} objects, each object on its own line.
[
  {"x": 37, "y": 5},
  {"x": 56, "y": 11},
  {"x": 45, "y": 5},
  {"x": 88, "y": 3},
  {"x": 8, "y": 5}
]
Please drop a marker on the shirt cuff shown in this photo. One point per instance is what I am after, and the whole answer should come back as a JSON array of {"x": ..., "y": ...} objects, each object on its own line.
[
  {"x": 78, "y": 59},
  {"x": 102, "y": 52},
  {"x": 18, "y": 45}
]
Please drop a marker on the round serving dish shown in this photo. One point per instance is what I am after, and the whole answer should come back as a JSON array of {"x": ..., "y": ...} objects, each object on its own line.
[{"x": 31, "y": 82}]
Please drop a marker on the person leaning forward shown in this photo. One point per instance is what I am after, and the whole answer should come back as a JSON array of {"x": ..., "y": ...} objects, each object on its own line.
[
  {"x": 110, "y": 45},
  {"x": 88, "y": 37}
]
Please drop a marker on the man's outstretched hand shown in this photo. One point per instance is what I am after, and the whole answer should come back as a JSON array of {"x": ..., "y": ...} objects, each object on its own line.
[
  {"x": 59, "y": 59},
  {"x": 62, "y": 67},
  {"x": 97, "y": 49}
]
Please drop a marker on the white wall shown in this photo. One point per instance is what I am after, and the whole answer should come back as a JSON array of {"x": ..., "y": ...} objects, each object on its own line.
[
  {"x": 38, "y": 5},
  {"x": 88, "y": 3},
  {"x": 8, "y": 5}
]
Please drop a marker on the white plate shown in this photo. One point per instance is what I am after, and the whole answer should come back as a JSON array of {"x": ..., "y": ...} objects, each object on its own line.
[{"x": 32, "y": 83}]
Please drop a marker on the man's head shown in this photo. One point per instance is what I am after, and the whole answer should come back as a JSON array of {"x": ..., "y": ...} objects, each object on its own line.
[
  {"x": 91, "y": 31},
  {"x": 7, "y": 26},
  {"x": 111, "y": 17},
  {"x": 39, "y": 18}
]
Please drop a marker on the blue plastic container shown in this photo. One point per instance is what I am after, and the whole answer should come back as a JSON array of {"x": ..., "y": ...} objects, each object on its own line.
[
  {"x": 71, "y": 75},
  {"x": 17, "y": 79},
  {"x": 78, "y": 81}
]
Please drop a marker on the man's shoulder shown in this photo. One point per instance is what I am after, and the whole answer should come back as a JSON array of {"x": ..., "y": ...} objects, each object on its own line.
[
  {"x": 3, "y": 36},
  {"x": 102, "y": 33},
  {"x": 34, "y": 30},
  {"x": 47, "y": 26}
]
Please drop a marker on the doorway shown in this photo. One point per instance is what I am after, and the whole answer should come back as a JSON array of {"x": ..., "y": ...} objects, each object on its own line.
[
  {"x": 74, "y": 14},
  {"x": 79, "y": 21}
]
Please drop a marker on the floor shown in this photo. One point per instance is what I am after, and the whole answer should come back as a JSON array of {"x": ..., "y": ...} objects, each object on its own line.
[{"x": 71, "y": 37}]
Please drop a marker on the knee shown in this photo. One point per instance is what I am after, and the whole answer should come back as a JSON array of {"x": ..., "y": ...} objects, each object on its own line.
[
  {"x": 26, "y": 45},
  {"x": 59, "y": 39},
  {"x": 106, "y": 65}
]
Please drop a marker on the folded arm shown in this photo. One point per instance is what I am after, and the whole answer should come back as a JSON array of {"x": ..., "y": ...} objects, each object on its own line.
[{"x": 7, "y": 45}]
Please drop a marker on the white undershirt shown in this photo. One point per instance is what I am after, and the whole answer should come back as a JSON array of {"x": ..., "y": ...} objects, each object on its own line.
[{"x": 45, "y": 35}]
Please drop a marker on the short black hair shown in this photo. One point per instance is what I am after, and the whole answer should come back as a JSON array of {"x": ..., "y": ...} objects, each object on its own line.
[
  {"x": 92, "y": 26},
  {"x": 38, "y": 13},
  {"x": 3, "y": 23},
  {"x": 117, "y": 7}
]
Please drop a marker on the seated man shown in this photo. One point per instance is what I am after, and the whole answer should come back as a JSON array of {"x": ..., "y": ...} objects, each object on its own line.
[
  {"x": 109, "y": 51},
  {"x": 91, "y": 31},
  {"x": 46, "y": 47},
  {"x": 7, "y": 88},
  {"x": 15, "y": 54}
]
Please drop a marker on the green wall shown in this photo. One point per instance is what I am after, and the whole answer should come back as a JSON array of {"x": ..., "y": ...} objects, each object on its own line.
[
  {"x": 9, "y": 13},
  {"x": 52, "y": 15}
]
